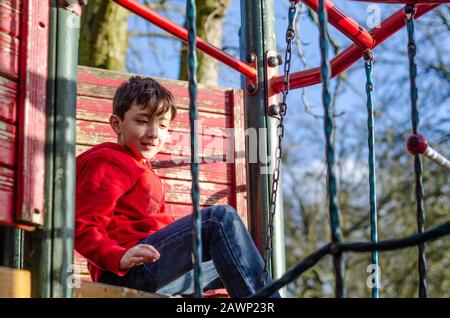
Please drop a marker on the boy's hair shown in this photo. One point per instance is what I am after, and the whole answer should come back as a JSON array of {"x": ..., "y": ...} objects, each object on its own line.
[{"x": 143, "y": 92}]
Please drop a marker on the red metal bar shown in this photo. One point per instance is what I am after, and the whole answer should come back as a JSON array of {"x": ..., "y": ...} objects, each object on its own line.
[
  {"x": 181, "y": 33},
  {"x": 407, "y": 1},
  {"x": 350, "y": 55},
  {"x": 341, "y": 21}
]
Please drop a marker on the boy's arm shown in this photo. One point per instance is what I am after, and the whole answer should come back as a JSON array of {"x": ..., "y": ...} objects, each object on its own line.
[{"x": 100, "y": 184}]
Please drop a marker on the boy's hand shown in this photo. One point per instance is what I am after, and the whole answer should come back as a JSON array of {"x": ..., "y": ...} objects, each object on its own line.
[{"x": 138, "y": 255}]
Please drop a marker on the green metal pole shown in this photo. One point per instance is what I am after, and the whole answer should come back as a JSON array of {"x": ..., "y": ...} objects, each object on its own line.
[
  {"x": 256, "y": 124},
  {"x": 65, "y": 134},
  {"x": 258, "y": 37}
]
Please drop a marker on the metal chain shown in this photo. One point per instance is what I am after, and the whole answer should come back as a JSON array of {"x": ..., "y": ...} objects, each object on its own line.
[{"x": 290, "y": 35}]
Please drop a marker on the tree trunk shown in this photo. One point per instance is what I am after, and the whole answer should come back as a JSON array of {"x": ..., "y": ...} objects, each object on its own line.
[
  {"x": 104, "y": 36},
  {"x": 210, "y": 17}
]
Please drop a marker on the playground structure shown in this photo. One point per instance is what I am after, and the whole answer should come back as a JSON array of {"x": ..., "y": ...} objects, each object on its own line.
[{"x": 61, "y": 107}]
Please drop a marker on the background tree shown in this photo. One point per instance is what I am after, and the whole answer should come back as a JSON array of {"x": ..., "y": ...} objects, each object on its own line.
[{"x": 103, "y": 35}]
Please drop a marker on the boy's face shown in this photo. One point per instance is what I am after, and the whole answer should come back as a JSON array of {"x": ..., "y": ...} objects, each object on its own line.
[{"x": 139, "y": 133}]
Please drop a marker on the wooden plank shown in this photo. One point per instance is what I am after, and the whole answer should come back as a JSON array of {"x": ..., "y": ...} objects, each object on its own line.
[
  {"x": 8, "y": 100},
  {"x": 99, "y": 110},
  {"x": 240, "y": 159},
  {"x": 7, "y": 196},
  {"x": 220, "y": 172},
  {"x": 10, "y": 17},
  {"x": 7, "y": 144},
  {"x": 212, "y": 148},
  {"x": 179, "y": 191},
  {"x": 32, "y": 109},
  {"x": 9, "y": 56},
  {"x": 98, "y": 290},
  {"x": 102, "y": 84},
  {"x": 14, "y": 283}
]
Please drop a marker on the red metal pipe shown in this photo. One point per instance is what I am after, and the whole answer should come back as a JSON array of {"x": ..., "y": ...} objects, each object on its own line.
[
  {"x": 181, "y": 33},
  {"x": 350, "y": 55},
  {"x": 407, "y": 1},
  {"x": 341, "y": 21}
]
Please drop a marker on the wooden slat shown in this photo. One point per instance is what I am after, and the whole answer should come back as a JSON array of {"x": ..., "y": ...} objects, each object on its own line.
[
  {"x": 10, "y": 17},
  {"x": 7, "y": 144},
  {"x": 94, "y": 133},
  {"x": 102, "y": 84},
  {"x": 8, "y": 100},
  {"x": 240, "y": 159},
  {"x": 32, "y": 109},
  {"x": 219, "y": 172},
  {"x": 178, "y": 191},
  {"x": 9, "y": 56},
  {"x": 99, "y": 110},
  {"x": 14, "y": 283},
  {"x": 97, "y": 290},
  {"x": 6, "y": 195}
]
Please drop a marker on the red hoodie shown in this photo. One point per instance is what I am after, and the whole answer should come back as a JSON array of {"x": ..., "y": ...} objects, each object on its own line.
[{"x": 119, "y": 202}]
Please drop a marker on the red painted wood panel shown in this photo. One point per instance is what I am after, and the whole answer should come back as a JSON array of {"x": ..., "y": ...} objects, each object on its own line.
[
  {"x": 7, "y": 145},
  {"x": 10, "y": 11},
  {"x": 7, "y": 195},
  {"x": 99, "y": 110},
  {"x": 9, "y": 56},
  {"x": 32, "y": 110},
  {"x": 9, "y": 64},
  {"x": 209, "y": 99},
  {"x": 8, "y": 100}
]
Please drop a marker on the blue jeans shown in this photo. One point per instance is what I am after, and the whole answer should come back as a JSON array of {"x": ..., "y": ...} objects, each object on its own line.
[{"x": 230, "y": 258}]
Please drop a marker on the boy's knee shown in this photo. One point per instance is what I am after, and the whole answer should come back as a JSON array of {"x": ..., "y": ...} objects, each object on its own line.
[{"x": 223, "y": 213}]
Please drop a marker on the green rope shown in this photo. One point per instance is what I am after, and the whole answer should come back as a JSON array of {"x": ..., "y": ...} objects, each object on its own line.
[
  {"x": 368, "y": 57},
  {"x": 336, "y": 234},
  {"x": 420, "y": 212},
  {"x": 193, "y": 118}
]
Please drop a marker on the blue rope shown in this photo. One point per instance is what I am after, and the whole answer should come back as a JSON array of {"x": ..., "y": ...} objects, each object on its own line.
[
  {"x": 420, "y": 212},
  {"x": 336, "y": 234},
  {"x": 368, "y": 57},
  {"x": 193, "y": 118}
]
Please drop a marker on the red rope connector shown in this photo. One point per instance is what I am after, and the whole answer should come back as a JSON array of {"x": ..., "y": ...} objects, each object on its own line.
[{"x": 416, "y": 143}]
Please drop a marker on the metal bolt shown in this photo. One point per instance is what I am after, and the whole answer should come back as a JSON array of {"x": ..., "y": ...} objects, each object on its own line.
[
  {"x": 368, "y": 56},
  {"x": 67, "y": 3},
  {"x": 272, "y": 61},
  {"x": 274, "y": 110},
  {"x": 250, "y": 58},
  {"x": 251, "y": 88}
]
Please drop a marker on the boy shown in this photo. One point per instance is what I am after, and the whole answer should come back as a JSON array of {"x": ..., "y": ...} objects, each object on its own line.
[{"x": 121, "y": 225}]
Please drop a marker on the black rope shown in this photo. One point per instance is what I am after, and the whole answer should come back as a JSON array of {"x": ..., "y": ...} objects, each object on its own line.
[{"x": 339, "y": 248}]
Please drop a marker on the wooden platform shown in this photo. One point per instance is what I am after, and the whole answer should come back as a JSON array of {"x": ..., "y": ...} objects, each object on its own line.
[
  {"x": 14, "y": 283},
  {"x": 97, "y": 290}
]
